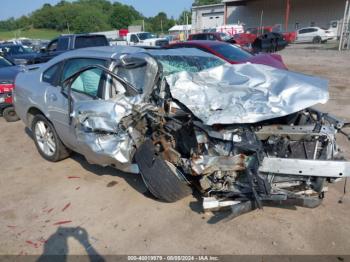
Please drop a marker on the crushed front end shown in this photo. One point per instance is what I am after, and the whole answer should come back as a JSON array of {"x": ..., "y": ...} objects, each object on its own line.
[{"x": 268, "y": 152}]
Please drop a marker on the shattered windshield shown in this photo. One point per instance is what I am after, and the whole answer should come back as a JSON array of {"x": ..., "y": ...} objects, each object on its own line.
[{"x": 185, "y": 59}]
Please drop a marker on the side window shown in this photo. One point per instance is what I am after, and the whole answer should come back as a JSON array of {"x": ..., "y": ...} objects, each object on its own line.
[
  {"x": 88, "y": 82},
  {"x": 63, "y": 44},
  {"x": 200, "y": 37},
  {"x": 313, "y": 30},
  {"x": 134, "y": 39},
  {"x": 303, "y": 31},
  {"x": 51, "y": 75},
  {"x": 52, "y": 46},
  {"x": 211, "y": 37}
]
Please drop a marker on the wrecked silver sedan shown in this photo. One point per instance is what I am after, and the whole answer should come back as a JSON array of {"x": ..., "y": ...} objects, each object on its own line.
[{"x": 243, "y": 135}]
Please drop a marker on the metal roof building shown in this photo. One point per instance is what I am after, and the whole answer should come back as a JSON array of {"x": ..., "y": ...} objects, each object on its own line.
[{"x": 290, "y": 14}]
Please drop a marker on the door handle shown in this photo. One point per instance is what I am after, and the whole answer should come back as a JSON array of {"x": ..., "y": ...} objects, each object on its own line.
[{"x": 52, "y": 97}]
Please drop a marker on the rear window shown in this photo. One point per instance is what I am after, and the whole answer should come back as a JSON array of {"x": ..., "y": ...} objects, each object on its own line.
[
  {"x": 199, "y": 37},
  {"x": 90, "y": 41},
  {"x": 231, "y": 52}
]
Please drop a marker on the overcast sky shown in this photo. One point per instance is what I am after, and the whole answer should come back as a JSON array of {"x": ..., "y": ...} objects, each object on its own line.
[{"x": 16, "y": 8}]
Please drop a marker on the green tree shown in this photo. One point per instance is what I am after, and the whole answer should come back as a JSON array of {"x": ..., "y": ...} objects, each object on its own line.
[
  {"x": 183, "y": 17},
  {"x": 206, "y": 2},
  {"x": 90, "y": 21},
  {"x": 123, "y": 15}
]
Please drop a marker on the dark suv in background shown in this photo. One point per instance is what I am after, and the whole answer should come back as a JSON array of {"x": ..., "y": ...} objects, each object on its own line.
[{"x": 66, "y": 43}]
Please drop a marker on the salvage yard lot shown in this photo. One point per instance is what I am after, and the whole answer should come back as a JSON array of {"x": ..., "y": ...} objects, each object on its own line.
[{"x": 73, "y": 207}]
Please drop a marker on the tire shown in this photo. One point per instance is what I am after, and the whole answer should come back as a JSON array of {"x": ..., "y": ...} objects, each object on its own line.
[
  {"x": 160, "y": 177},
  {"x": 47, "y": 141},
  {"x": 10, "y": 115},
  {"x": 317, "y": 40}
]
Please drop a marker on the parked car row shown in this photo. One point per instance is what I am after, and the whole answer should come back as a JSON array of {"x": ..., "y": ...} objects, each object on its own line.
[
  {"x": 243, "y": 135},
  {"x": 8, "y": 73},
  {"x": 19, "y": 54}
]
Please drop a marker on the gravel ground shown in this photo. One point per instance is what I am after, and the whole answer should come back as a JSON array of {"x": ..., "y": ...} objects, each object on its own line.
[{"x": 73, "y": 207}]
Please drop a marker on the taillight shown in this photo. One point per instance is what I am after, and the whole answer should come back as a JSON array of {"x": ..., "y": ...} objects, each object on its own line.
[{"x": 6, "y": 88}]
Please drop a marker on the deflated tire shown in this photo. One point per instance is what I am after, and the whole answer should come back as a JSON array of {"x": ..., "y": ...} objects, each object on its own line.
[{"x": 160, "y": 177}]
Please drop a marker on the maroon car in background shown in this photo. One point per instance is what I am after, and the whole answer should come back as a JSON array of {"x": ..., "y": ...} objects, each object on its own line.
[{"x": 232, "y": 53}]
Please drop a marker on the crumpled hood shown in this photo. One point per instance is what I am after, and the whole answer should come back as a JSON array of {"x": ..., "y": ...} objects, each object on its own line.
[{"x": 246, "y": 93}]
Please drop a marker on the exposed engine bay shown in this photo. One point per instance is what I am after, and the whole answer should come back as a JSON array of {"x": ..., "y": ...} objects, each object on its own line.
[
  {"x": 279, "y": 150},
  {"x": 238, "y": 163}
]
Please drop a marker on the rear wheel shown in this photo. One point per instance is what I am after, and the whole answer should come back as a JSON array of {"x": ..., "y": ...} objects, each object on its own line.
[
  {"x": 47, "y": 141},
  {"x": 10, "y": 115},
  {"x": 162, "y": 178},
  {"x": 317, "y": 40}
]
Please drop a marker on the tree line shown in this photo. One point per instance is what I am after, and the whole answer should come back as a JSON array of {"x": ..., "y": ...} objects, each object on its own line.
[{"x": 83, "y": 16}]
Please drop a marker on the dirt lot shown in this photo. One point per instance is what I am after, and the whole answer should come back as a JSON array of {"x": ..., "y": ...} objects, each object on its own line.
[{"x": 105, "y": 211}]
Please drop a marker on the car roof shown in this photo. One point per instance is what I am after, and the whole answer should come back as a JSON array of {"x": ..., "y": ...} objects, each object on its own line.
[
  {"x": 208, "y": 43},
  {"x": 310, "y": 27},
  {"x": 9, "y": 44},
  {"x": 110, "y": 52},
  {"x": 207, "y": 33}
]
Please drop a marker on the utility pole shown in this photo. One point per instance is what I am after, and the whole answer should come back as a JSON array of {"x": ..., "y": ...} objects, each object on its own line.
[
  {"x": 343, "y": 25},
  {"x": 143, "y": 25},
  {"x": 348, "y": 28},
  {"x": 261, "y": 21},
  {"x": 287, "y": 15},
  {"x": 186, "y": 25}
]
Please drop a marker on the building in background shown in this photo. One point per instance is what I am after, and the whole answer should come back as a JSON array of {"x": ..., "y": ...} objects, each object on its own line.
[
  {"x": 290, "y": 14},
  {"x": 207, "y": 17}
]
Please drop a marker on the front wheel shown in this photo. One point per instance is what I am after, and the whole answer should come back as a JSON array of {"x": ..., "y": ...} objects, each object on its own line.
[
  {"x": 317, "y": 40},
  {"x": 161, "y": 178},
  {"x": 47, "y": 141}
]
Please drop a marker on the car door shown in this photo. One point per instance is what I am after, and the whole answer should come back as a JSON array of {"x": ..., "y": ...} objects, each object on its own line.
[
  {"x": 56, "y": 95},
  {"x": 302, "y": 35},
  {"x": 94, "y": 120}
]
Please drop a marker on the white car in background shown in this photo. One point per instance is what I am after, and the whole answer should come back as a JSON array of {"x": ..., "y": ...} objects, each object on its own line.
[
  {"x": 145, "y": 39},
  {"x": 315, "y": 35}
]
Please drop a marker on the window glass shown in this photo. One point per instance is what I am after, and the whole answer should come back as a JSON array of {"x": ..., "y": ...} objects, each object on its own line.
[
  {"x": 134, "y": 39},
  {"x": 211, "y": 37},
  {"x": 51, "y": 75},
  {"x": 177, "y": 63},
  {"x": 63, "y": 44},
  {"x": 74, "y": 65},
  {"x": 14, "y": 49},
  {"x": 52, "y": 46},
  {"x": 89, "y": 41},
  {"x": 144, "y": 36},
  {"x": 88, "y": 82},
  {"x": 4, "y": 62},
  {"x": 199, "y": 37},
  {"x": 231, "y": 52}
]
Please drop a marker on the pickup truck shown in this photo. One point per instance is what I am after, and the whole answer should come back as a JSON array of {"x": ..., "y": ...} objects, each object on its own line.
[
  {"x": 66, "y": 43},
  {"x": 145, "y": 39}
]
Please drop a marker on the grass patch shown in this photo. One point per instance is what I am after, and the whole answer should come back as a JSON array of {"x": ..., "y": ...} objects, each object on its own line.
[{"x": 30, "y": 33}]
